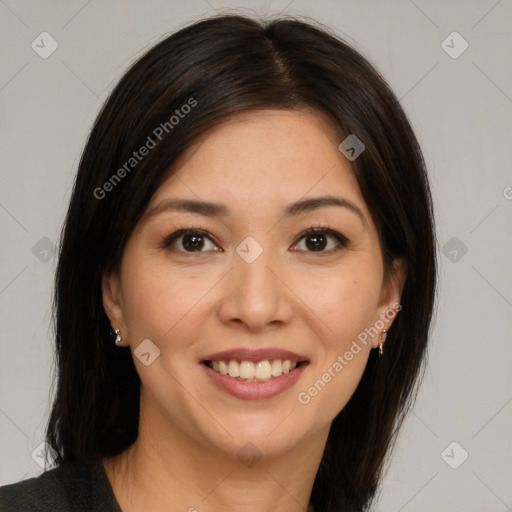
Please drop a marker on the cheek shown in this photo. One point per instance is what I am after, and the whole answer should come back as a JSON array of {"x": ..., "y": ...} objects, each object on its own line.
[
  {"x": 146, "y": 306},
  {"x": 354, "y": 305},
  {"x": 161, "y": 304},
  {"x": 342, "y": 304},
  {"x": 343, "y": 310}
]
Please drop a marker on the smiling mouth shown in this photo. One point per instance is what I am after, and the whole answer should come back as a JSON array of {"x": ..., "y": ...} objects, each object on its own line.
[{"x": 248, "y": 371}]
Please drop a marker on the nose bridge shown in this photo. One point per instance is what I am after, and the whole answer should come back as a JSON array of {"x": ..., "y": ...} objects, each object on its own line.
[{"x": 255, "y": 296}]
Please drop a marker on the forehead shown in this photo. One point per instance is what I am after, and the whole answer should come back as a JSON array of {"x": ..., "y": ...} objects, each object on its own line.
[{"x": 270, "y": 156}]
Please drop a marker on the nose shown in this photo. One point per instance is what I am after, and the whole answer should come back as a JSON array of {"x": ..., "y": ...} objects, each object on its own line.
[{"x": 255, "y": 295}]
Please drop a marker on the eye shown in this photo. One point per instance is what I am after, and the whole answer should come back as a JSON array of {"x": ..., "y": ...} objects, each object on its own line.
[
  {"x": 322, "y": 240},
  {"x": 190, "y": 240}
]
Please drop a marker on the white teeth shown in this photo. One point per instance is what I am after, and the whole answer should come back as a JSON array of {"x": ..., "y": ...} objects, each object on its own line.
[
  {"x": 233, "y": 369},
  {"x": 248, "y": 371},
  {"x": 223, "y": 367},
  {"x": 277, "y": 368},
  {"x": 263, "y": 371}
]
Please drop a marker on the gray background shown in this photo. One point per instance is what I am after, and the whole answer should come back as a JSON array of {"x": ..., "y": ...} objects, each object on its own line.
[{"x": 461, "y": 110}]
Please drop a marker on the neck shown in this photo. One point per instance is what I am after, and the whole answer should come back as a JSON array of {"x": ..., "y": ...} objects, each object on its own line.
[{"x": 176, "y": 473}]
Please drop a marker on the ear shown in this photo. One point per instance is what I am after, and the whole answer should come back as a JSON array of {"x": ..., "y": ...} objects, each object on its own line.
[
  {"x": 112, "y": 301},
  {"x": 391, "y": 293}
]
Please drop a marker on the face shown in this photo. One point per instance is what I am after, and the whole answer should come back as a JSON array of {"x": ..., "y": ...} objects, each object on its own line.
[{"x": 268, "y": 271}]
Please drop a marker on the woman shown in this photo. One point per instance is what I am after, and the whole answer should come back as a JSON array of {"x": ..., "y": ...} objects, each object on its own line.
[{"x": 252, "y": 221}]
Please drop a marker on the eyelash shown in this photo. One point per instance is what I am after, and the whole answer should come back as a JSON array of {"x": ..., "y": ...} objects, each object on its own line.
[{"x": 319, "y": 230}]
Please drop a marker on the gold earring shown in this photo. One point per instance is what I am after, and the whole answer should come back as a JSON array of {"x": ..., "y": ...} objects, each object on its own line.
[{"x": 382, "y": 338}]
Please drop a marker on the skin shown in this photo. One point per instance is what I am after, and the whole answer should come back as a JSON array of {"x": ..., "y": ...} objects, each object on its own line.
[{"x": 191, "y": 304}]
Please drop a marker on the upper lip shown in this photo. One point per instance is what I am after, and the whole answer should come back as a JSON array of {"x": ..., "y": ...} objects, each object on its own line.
[{"x": 255, "y": 355}]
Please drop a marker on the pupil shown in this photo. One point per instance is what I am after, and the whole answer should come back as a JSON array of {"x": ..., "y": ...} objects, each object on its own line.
[
  {"x": 318, "y": 242},
  {"x": 193, "y": 241}
]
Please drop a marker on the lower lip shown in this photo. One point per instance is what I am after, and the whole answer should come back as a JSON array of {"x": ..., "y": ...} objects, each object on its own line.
[{"x": 255, "y": 390}]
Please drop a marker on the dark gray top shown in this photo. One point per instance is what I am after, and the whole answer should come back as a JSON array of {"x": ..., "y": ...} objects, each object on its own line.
[{"x": 70, "y": 487}]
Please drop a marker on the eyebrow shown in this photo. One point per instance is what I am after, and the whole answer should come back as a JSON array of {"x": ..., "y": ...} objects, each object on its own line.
[{"x": 220, "y": 210}]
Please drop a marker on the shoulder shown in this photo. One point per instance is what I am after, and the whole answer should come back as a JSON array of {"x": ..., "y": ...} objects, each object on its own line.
[
  {"x": 42, "y": 492},
  {"x": 70, "y": 487}
]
